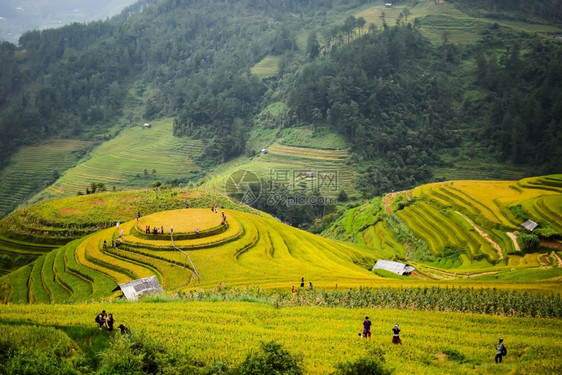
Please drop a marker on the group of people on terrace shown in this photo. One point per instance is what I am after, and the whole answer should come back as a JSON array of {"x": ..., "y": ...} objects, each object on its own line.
[
  {"x": 155, "y": 230},
  {"x": 215, "y": 210},
  {"x": 310, "y": 286},
  {"x": 105, "y": 320},
  {"x": 114, "y": 243}
]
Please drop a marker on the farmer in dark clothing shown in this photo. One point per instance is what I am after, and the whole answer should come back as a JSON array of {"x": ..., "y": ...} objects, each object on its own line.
[
  {"x": 396, "y": 335},
  {"x": 367, "y": 327},
  {"x": 109, "y": 322},
  {"x": 100, "y": 318},
  {"x": 501, "y": 351}
]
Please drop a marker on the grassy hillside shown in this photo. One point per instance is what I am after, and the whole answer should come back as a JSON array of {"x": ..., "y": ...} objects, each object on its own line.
[
  {"x": 442, "y": 16},
  {"x": 134, "y": 158},
  {"x": 123, "y": 160},
  {"x": 196, "y": 335},
  {"x": 32, "y": 231},
  {"x": 35, "y": 167},
  {"x": 249, "y": 250},
  {"x": 463, "y": 227},
  {"x": 287, "y": 164},
  {"x": 455, "y": 230}
]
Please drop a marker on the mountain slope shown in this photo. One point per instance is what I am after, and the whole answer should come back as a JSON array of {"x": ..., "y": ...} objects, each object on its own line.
[
  {"x": 201, "y": 251},
  {"x": 460, "y": 228}
]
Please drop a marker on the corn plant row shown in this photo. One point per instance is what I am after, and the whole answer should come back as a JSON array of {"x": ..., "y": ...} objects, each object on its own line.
[{"x": 466, "y": 300}]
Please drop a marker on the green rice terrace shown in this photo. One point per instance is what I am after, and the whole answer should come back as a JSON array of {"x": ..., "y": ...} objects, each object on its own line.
[
  {"x": 469, "y": 229},
  {"x": 461, "y": 232},
  {"x": 228, "y": 274},
  {"x": 133, "y": 159},
  {"x": 299, "y": 167},
  {"x": 245, "y": 250}
]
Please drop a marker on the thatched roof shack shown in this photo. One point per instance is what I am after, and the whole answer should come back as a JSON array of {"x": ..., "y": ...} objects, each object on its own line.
[
  {"x": 133, "y": 289},
  {"x": 395, "y": 267}
]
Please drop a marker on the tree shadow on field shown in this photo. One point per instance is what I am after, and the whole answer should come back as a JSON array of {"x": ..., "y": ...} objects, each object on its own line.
[{"x": 87, "y": 340}]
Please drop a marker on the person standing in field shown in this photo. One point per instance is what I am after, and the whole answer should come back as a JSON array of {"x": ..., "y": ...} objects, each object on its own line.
[
  {"x": 293, "y": 290},
  {"x": 501, "y": 351},
  {"x": 310, "y": 285},
  {"x": 367, "y": 327},
  {"x": 302, "y": 282},
  {"x": 396, "y": 335}
]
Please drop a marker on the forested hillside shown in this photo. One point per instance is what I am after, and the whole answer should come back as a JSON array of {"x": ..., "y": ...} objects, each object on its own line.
[
  {"x": 185, "y": 58},
  {"x": 406, "y": 103}
]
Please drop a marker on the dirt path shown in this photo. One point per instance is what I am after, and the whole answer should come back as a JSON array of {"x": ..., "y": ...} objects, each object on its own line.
[
  {"x": 485, "y": 235},
  {"x": 552, "y": 244},
  {"x": 513, "y": 236}
]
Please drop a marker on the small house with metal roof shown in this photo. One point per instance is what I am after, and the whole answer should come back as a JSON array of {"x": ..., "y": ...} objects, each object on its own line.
[
  {"x": 529, "y": 225},
  {"x": 394, "y": 267},
  {"x": 133, "y": 289}
]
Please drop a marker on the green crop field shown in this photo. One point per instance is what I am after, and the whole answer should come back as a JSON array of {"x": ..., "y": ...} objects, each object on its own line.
[
  {"x": 35, "y": 167},
  {"x": 468, "y": 227},
  {"x": 35, "y": 230},
  {"x": 202, "y": 333},
  {"x": 288, "y": 165},
  {"x": 267, "y": 67},
  {"x": 437, "y": 18},
  {"x": 135, "y": 158},
  {"x": 229, "y": 288},
  {"x": 250, "y": 250}
]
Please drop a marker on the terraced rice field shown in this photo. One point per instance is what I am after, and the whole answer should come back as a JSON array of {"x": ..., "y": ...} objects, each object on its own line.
[
  {"x": 33, "y": 231},
  {"x": 297, "y": 168},
  {"x": 32, "y": 168},
  {"x": 249, "y": 250},
  {"x": 122, "y": 161},
  {"x": 437, "y": 18},
  {"x": 468, "y": 226}
]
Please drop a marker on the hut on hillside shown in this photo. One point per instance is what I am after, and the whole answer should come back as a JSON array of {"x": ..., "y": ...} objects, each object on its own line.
[
  {"x": 529, "y": 225},
  {"x": 394, "y": 267},
  {"x": 133, "y": 289}
]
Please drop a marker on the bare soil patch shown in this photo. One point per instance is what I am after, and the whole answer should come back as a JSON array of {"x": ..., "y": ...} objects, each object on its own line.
[{"x": 70, "y": 211}]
